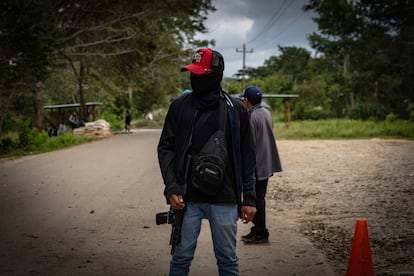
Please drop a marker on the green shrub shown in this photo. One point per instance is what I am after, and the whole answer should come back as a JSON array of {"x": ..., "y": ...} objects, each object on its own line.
[
  {"x": 116, "y": 121},
  {"x": 24, "y": 133},
  {"x": 37, "y": 141},
  {"x": 391, "y": 117},
  {"x": 410, "y": 111},
  {"x": 61, "y": 141},
  {"x": 7, "y": 145},
  {"x": 365, "y": 111},
  {"x": 302, "y": 113}
]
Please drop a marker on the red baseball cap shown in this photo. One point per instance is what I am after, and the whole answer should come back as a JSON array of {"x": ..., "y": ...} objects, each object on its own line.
[{"x": 205, "y": 61}]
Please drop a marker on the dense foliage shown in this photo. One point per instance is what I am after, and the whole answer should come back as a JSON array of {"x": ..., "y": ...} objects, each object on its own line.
[
  {"x": 122, "y": 53},
  {"x": 363, "y": 65},
  {"x": 125, "y": 54}
]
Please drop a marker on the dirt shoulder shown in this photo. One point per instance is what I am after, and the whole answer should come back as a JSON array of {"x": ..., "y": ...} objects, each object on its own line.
[{"x": 327, "y": 184}]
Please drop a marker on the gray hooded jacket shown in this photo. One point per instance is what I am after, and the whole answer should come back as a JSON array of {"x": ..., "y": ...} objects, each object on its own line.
[{"x": 267, "y": 155}]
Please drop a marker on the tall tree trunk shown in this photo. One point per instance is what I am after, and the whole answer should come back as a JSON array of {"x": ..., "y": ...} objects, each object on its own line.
[
  {"x": 38, "y": 104},
  {"x": 349, "y": 99},
  {"x": 80, "y": 78},
  {"x": 83, "y": 111},
  {"x": 1, "y": 114},
  {"x": 346, "y": 70},
  {"x": 130, "y": 92}
]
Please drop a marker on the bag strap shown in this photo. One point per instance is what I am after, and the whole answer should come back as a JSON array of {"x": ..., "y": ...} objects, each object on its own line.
[
  {"x": 223, "y": 115},
  {"x": 222, "y": 118},
  {"x": 190, "y": 141}
]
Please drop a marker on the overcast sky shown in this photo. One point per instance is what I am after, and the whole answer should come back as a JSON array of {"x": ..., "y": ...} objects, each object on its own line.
[{"x": 259, "y": 24}]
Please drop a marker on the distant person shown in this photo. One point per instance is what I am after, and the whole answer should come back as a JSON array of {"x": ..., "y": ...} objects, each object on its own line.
[
  {"x": 51, "y": 130},
  {"x": 61, "y": 129},
  {"x": 128, "y": 119},
  {"x": 267, "y": 159},
  {"x": 149, "y": 116},
  {"x": 74, "y": 121}
]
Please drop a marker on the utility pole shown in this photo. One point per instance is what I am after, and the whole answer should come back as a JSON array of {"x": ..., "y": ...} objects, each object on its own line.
[{"x": 244, "y": 62}]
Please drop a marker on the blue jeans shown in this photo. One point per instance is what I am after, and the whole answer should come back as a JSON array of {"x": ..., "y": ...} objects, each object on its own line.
[{"x": 223, "y": 226}]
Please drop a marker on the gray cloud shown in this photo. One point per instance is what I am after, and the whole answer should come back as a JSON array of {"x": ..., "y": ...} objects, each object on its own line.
[{"x": 261, "y": 25}]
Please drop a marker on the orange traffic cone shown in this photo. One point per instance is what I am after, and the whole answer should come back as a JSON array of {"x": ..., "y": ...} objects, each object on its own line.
[{"x": 360, "y": 260}]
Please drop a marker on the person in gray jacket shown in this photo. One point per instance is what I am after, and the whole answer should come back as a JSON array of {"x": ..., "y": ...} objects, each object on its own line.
[{"x": 267, "y": 159}]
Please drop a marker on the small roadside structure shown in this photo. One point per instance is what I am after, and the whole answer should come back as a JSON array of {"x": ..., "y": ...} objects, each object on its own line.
[{"x": 58, "y": 112}]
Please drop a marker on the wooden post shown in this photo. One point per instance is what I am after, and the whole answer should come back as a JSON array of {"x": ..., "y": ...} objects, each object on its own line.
[
  {"x": 93, "y": 113},
  {"x": 286, "y": 102}
]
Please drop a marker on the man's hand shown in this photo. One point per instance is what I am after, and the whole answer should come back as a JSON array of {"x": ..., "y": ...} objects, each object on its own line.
[
  {"x": 177, "y": 202},
  {"x": 247, "y": 213}
]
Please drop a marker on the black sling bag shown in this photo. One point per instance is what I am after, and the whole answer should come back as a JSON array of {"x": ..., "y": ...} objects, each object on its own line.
[{"x": 209, "y": 164}]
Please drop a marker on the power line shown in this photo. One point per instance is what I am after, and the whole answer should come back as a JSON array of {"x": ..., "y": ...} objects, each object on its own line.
[
  {"x": 273, "y": 19},
  {"x": 274, "y": 37}
]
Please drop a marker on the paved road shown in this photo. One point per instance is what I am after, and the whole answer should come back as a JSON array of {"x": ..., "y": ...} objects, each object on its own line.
[{"x": 89, "y": 210}]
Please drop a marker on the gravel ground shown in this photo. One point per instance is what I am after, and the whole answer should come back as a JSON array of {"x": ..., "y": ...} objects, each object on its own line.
[
  {"x": 89, "y": 210},
  {"x": 327, "y": 184}
]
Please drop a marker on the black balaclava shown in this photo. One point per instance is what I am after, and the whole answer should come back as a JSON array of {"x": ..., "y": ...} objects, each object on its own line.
[{"x": 206, "y": 89}]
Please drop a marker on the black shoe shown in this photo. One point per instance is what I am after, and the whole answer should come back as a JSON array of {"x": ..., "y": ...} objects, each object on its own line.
[
  {"x": 257, "y": 239},
  {"x": 248, "y": 236}
]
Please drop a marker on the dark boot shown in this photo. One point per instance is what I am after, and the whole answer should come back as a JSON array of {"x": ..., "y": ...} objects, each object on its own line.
[
  {"x": 250, "y": 235},
  {"x": 258, "y": 238}
]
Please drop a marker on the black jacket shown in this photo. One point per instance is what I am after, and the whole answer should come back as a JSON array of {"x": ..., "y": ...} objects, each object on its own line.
[{"x": 173, "y": 149}]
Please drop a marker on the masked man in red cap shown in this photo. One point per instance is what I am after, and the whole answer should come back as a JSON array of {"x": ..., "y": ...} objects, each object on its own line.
[{"x": 218, "y": 191}]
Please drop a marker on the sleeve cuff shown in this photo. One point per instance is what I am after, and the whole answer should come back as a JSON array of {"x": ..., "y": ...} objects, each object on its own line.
[{"x": 249, "y": 201}]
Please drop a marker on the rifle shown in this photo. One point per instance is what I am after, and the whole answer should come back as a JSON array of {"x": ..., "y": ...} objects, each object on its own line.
[{"x": 175, "y": 218}]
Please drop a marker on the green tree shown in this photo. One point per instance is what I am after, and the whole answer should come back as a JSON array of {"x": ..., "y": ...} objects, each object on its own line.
[
  {"x": 293, "y": 62},
  {"x": 111, "y": 38},
  {"x": 374, "y": 40},
  {"x": 388, "y": 37},
  {"x": 25, "y": 50},
  {"x": 340, "y": 30}
]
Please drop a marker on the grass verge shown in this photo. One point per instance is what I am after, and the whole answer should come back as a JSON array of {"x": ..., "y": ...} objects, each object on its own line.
[{"x": 345, "y": 129}]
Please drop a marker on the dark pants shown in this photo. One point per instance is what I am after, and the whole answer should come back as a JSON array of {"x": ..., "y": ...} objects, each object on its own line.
[{"x": 259, "y": 219}]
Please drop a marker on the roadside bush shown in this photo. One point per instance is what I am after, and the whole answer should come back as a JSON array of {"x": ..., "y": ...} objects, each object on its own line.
[
  {"x": 302, "y": 113},
  {"x": 365, "y": 111},
  {"x": 35, "y": 141},
  {"x": 7, "y": 145},
  {"x": 24, "y": 134},
  {"x": 391, "y": 118},
  {"x": 40, "y": 141},
  {"x": 116, "y": 122},
  {"x": 27, "y": 135},
  {"x": 410, "y": 111}
]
